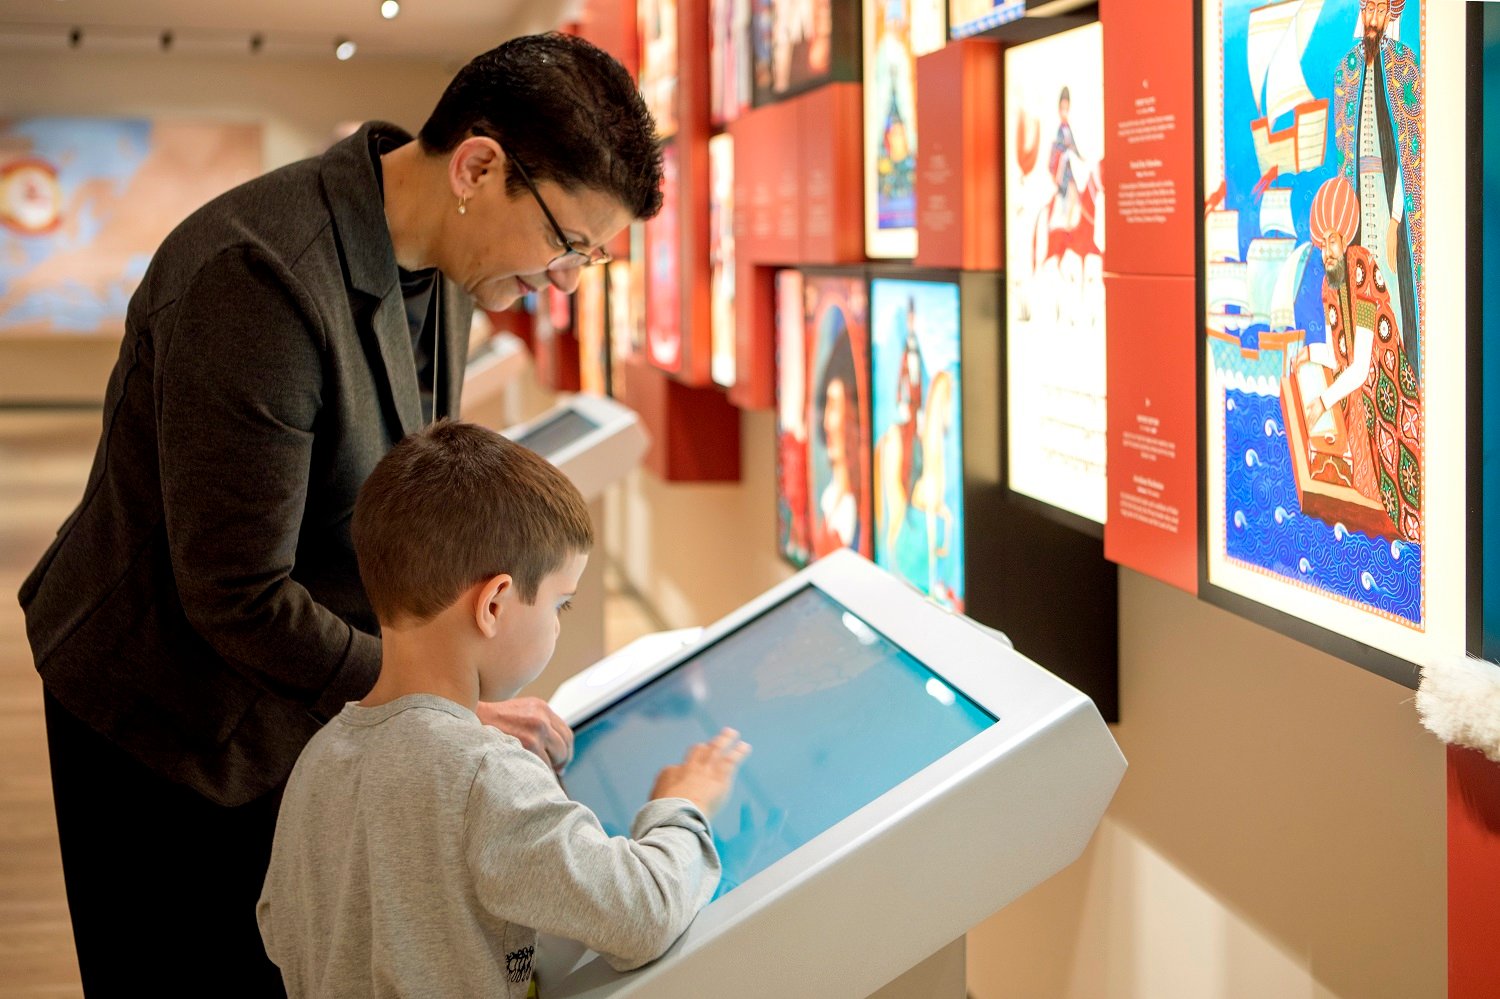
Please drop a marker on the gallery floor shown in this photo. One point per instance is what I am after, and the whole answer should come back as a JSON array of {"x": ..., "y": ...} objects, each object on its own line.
[{"x": 44, "y": 462}]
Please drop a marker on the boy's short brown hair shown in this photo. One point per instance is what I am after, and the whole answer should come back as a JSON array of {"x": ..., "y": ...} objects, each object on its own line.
[{"x": 453, "y": 504}]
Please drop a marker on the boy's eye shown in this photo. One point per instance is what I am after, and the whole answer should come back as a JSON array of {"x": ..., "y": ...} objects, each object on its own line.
[{"x": 565, "y": 605}]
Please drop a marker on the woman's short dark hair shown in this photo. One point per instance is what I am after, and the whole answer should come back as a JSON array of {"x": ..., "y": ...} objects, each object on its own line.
[
  {"x": 563, "y": 107},
  {"x": 454, "y": 504}
]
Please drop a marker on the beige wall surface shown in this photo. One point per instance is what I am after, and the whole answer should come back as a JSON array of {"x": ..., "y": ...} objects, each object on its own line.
[
  {"x": 297, "y": 101},
  {"x": 1280, "y": 831}
]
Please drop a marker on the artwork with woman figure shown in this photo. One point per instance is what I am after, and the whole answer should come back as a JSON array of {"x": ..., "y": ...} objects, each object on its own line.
[
  {"x": 794, "y": 529},
  {"x": 918, "y": 473},
  {"x": 838, "y": 421}
]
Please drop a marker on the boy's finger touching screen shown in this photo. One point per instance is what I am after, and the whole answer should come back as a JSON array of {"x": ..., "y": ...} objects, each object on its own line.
[{"x": 706, "y": 774}]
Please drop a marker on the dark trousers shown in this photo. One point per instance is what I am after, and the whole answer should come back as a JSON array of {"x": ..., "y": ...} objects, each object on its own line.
[{"x": 161, "y": 882}]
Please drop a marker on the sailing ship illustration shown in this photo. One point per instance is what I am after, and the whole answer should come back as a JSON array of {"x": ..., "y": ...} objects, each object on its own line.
[
  {"x": 1260, "y": 289},
  {"x": 1278, "y": 37},
  {"x": 1251, "y": 316}
]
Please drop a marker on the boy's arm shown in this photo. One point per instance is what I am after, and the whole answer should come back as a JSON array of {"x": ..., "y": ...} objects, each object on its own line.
[{"x": 543, "y": 861}]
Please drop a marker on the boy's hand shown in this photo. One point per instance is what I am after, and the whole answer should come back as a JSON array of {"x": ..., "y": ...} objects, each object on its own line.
[
  {"x": 535, "y": 724},
  {"x": 706, "y": 774}
]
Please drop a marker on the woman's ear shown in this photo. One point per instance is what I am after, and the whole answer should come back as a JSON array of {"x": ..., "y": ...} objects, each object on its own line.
[
  {"x": 476, "y": 160},
  {"x": 490, "y": 598}
]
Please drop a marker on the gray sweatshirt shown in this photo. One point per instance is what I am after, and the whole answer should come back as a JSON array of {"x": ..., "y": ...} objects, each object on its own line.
[{"x": 418, "y": 852}]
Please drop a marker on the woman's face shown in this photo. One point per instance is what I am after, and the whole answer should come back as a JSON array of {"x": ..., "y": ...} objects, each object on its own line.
[{"x": 834, "y": 415}]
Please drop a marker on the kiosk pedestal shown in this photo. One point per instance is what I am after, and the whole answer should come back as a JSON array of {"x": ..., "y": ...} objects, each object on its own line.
[{"x": 912, "y": 774}]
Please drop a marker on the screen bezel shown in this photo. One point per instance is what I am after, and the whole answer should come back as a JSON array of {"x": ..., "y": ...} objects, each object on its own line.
[
  {"x": 1001, "y": 682},
  {"x": 608, "y": 416}
]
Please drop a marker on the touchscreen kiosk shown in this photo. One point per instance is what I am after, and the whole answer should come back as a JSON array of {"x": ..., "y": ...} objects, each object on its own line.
[
  {"x": 595, "y": 440},
  {"x": 911, "y": 775},
  {"x": 492, "y": 367}
]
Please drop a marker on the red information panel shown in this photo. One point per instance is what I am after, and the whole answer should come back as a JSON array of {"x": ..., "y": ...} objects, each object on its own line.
[
  {"x": 1148, "y": 136},
  {"x": 1152, "y": 523},
  {"x": 832, "y": 175},
  {"x": 958, "y": 187}
]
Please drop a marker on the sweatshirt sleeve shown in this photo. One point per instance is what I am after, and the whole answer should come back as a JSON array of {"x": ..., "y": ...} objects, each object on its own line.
[{"x": 541, "y": 860}]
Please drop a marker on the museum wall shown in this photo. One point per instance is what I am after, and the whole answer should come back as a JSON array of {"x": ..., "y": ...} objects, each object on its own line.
[
  {"x": 1280, "y": 831},
  {"x": 298, "y": 102}
]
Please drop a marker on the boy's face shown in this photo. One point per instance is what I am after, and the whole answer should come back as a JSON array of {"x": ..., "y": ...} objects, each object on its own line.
[{"x": 528, "y": 633}]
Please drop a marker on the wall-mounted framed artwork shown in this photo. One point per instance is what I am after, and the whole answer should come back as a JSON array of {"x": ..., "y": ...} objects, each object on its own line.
[
  {"x": 971, "y": 17},
  {"x": 721, "y": 258},
  {"x": 797, "y": 45},
  {"x": 85, "y": 202},
  {"x": 918, "y": 469},
  {"x": 929, "y": 26},
  {"x": 1338, "y": 331},
  {"x": 590, "y": 323},
  {"x": 793, "y": 512},
  {"x": 657, "y": 28},
  {"x": 663, "y": 253},
  {"x": 836, "y": 325},
  {"x": 890, "y": 143},
  {"x": 1054, "y": 242},
  {"x": 618, "y": 297},
  {"x": 729, "y": 60}
]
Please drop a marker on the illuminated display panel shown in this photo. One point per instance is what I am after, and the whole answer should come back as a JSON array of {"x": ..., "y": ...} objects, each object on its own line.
[
  {"x": 1054, "y": 243},
  {"x": 657, "y": 23},
  {"x": 721, "y": 258},
  {"x": 836, "y": 318},
  {"x": 918, "y": 442},
  {"x": 794, "y": 529},
  {"x": 1335, "y": 427},
  {"x": 890, "y": 142}
]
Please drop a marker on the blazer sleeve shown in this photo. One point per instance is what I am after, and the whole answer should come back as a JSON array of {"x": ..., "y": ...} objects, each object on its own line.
[{"x": 238, "y": 392}]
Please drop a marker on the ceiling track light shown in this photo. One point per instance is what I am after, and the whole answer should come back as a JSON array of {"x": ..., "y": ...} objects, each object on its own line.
[
  {"x": 344, "y": 49},
  {"x": 389, "y": 9}
]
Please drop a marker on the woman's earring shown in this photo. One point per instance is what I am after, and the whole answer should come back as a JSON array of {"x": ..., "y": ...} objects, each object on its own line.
[{"x": 463, "y": 204}]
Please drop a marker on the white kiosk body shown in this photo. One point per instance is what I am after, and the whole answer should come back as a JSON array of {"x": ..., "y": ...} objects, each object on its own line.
[
  {"x": 595, "y": 440},
  {"x": 492, "y": 368},
  {"x": 911, "y": 775}
]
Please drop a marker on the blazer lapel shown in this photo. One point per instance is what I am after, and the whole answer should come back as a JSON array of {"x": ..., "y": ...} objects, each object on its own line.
[
  {"x": 455, "y": 312},
  {"x": 393, "y": 338},
  {"x": 358, "y": 208}
]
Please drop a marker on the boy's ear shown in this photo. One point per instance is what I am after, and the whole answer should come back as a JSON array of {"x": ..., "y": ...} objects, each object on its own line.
[{"x": 489, "y": 602}]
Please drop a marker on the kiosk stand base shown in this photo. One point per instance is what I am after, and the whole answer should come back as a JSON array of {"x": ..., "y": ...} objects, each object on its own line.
[{"x": 941, "y": 976}]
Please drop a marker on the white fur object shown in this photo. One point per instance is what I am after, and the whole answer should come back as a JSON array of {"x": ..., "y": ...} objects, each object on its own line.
[{"x": 1458, "y": 700}]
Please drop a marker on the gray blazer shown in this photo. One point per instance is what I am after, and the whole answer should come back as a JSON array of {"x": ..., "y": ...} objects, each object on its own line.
[{"x": 202, "y": 607}]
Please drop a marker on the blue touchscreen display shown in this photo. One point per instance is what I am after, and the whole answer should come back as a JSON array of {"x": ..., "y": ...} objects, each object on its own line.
[
  {"x": 837, "y": 715},
  {"x": 557, "y": 433}
]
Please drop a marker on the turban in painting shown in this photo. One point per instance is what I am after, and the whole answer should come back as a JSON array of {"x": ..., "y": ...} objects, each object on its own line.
[{"x": 1335, "y": 212}]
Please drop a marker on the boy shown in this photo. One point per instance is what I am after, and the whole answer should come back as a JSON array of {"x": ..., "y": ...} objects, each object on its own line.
[{"x": 417, "y": 851}]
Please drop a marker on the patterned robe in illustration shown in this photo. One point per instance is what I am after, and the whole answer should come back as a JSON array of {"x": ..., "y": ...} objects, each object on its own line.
[
  {"x": 1384, "y": 418},
  {"x": 1400, "y": 119}
]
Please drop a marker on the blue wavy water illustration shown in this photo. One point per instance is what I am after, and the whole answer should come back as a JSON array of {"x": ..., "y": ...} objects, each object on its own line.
[{"x": 1265, "y": 525}]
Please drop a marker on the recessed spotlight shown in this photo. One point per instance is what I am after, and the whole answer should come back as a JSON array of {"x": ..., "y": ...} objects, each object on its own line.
[
  {"x": 344, "y": 49},
  {"x": 389, "y": 9}
]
